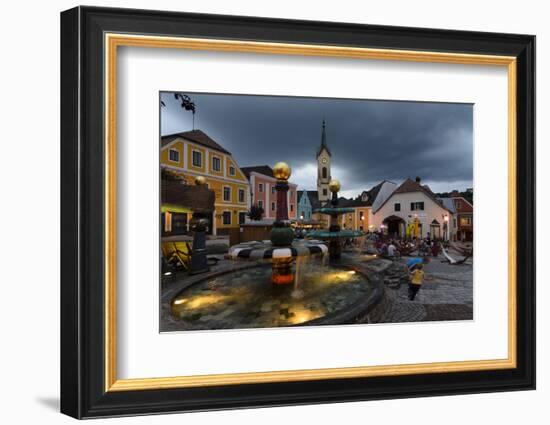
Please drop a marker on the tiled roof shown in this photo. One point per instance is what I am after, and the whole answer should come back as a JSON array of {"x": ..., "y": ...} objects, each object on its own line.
[
  {"x": 313, "y": 196},
  {"x": 348, "y": 203},
  {"x": 448, "y": 203},
  {"x": 409, "y": 186},
  {"x": 266, "y": 170},
  {"x": 196, "y": 136}
]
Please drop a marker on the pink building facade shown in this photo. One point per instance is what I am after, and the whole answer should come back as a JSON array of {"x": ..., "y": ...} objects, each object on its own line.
[{"x": 263, "y": 193}]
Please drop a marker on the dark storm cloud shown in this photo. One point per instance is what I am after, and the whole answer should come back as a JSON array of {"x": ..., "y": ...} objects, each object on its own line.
[{"x": 370, "y": 140}]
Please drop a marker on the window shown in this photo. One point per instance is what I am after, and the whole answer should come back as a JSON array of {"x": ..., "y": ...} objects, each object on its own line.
[
  {"x": 272, "y": 189},
  {"x": 324, "y": 192},
  {"x": 197, "y": 159},
  {"x": 397, "y": 207},
  {"x": 417, "y": 206},
  {"x": 226, "y": 193},
  {"x": 174, "y": 155},
  {"x": 226, "y": 217},
  {"x": 291, "y": 208},
  {"x": 167, "y": 222},
  {"x": 465, "y": 221},
  {"x": 273, "y": 206},
  {"x": 261, "y": 204},
  {"x": 231, "y": 170},
  {"x": 458, "y": 205},
  {"x": 260, "y": 187},
  {"x": 324, "y": 172},
  {"x": 241, "y": 196},
  {"x": 361, "y": 215},
  {"x": 216, "y": 163},
  {"x": 242, "y": 217}
]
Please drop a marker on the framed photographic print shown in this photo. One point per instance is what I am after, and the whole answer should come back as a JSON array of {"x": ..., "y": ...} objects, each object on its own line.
[{"x": 261, "y": 212}]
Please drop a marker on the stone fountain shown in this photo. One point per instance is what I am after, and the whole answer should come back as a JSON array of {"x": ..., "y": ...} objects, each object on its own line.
[
  {"x": 281, "y": 249},
  {"x": 276, "y": 282},
  {"x": 335, "y": 235}
]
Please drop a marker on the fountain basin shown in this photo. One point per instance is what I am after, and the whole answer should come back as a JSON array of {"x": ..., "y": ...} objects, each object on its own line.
[
  {"x": 245, "y": 299},
  {"x": 334, "y": 210},
  {"x": 340, "y": 234}
]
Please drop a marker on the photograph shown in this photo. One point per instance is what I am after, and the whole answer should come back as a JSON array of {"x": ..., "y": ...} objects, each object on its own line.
[{"x": 283, "y": 211}]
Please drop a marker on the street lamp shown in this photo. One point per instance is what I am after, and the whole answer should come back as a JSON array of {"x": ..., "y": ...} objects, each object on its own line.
[{"x": 446, "y": 220}]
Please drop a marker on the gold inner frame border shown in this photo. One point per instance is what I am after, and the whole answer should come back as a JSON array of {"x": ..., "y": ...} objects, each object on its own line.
[{"x": 113, "y": 40}]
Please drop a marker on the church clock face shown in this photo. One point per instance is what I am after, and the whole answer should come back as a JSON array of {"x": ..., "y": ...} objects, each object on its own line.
[{"x": 324, "y": 160}]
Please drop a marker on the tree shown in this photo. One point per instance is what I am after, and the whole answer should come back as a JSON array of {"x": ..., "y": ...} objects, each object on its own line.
[{"x": 256, "y": 213}]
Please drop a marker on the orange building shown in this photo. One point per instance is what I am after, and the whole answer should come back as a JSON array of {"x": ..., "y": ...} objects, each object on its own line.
[{"x": 194, "y": 153}]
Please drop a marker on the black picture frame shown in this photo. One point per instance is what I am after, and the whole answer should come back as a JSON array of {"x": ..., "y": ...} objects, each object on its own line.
[{"x": 83, "y": 392}]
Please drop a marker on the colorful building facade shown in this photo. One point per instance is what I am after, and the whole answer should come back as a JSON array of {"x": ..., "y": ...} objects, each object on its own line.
[
  {"x": 194, "y": 153},
  {"x": 412, "y": 210},
  {"x": 263, "y": 193},
  {"x": 305, "y": 209}
]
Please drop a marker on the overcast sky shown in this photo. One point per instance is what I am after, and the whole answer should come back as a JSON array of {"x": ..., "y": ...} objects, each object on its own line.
[{"x": 369, "y": 140}]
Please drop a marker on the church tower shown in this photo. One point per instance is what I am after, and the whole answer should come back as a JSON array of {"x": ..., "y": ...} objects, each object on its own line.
[{"x": 323, "y": 168}]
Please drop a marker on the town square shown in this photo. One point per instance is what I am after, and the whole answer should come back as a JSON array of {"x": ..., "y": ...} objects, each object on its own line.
[{"x": 295, "y": 219}]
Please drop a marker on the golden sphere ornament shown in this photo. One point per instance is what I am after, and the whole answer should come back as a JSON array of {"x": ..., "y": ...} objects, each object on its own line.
[
  {"x": 334, "y": 186},
  {"x": 200, "y": 180},
  {"x": 282, "y": 171}
]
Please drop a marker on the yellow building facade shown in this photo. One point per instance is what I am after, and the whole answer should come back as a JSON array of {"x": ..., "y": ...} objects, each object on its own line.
[
  {"x": 356, "y": 220},
  {"x": 193, "y": 153}
]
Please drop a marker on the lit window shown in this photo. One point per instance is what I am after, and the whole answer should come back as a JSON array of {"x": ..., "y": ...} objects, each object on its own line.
[
  {"x": 226, "y": 217},
  {"x": 197, "y": 159},
  {"x": 241, "y": 195},
  {"x": 226, "y": 193},
  {"x": 216, "y": 163},
  {"x": 465, "y": 221}
]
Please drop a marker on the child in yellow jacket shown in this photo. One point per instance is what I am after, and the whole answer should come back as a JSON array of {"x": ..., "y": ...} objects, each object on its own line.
[{"x": 416, "y": 279}]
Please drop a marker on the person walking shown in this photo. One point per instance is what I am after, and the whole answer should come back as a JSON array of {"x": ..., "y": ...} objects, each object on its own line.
[{"x": 416, "y": 279}]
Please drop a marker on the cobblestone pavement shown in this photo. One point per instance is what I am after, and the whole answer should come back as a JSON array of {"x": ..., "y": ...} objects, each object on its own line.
[{"x": 447, "y": 293}]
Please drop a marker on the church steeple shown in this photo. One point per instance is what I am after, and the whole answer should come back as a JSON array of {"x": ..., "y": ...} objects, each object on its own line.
[
  {"x": 323, "y": 141},
  {"x": 323, "y": 167}
]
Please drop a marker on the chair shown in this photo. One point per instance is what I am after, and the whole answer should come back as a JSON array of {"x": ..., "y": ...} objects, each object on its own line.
[{"x": 177, "y": 254}]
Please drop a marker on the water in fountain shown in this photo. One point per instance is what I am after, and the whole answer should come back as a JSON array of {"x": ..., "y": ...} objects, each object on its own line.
[{"x": 246, "y": 298}]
